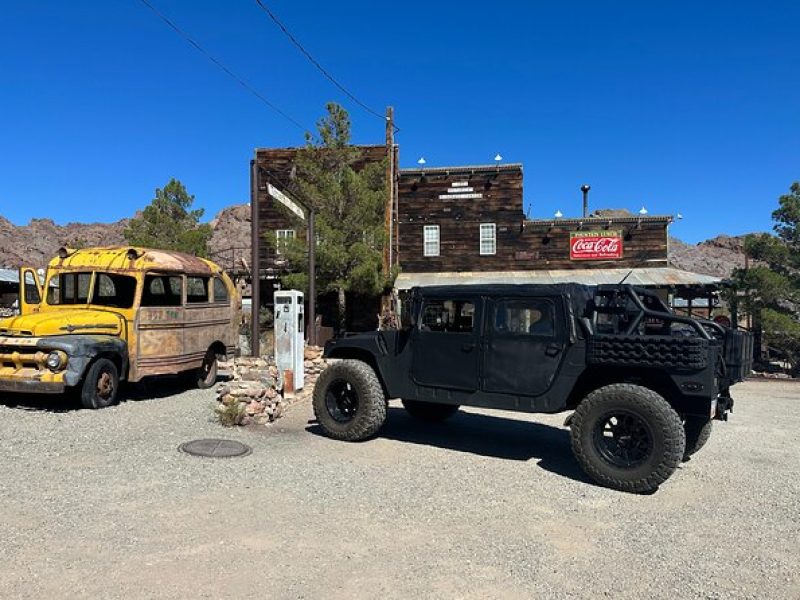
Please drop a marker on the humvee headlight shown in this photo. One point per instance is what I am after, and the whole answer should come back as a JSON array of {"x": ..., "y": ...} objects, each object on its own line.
[{"x": 56, "y": 360}]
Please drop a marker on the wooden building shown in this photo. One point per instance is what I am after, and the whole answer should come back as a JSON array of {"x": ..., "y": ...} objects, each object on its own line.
[
  {"x": 454, "y": 221},
  {"x": 466, "y": 224}
]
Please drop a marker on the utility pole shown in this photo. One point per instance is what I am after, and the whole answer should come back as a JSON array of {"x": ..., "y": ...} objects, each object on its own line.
[
  {"x": 312, "y": 278},
  {"x": 255, "y": 264},
  {"x": 389, "y": 208}
]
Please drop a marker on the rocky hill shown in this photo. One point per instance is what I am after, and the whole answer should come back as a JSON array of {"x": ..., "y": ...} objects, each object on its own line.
[
  {"x": 37, "y": 242},
  {"x": 230, "y": 243},
  {"x": 718, "y": 256}
]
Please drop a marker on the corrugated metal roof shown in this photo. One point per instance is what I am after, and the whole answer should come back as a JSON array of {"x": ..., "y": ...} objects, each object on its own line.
[
  {"x": 593, "y": 221},
  {"x": 461, "y": 169},
  {"x": 9, "y": 276},
  {"x": 646, "y": 277},
  {"x": 12, "y": 276}
]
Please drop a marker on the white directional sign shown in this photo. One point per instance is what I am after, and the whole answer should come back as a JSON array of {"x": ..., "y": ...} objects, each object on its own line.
[{"x": 286, "y": 201}]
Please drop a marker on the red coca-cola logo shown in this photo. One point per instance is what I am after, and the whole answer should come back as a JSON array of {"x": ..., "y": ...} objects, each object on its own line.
[{"x": 595, "y": 246}]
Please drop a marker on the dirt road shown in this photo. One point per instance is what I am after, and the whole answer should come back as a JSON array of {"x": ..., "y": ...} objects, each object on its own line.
[{"x": 489, "y": 505}]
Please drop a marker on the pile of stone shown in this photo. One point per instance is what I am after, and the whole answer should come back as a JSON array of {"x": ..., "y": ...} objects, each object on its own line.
[
  {"x": 252, "y": 394},
  {"x": 313, "y": 365}
]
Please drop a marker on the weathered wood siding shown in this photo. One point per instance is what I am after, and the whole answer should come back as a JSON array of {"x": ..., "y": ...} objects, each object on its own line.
[{"x": 431, "y": 197}]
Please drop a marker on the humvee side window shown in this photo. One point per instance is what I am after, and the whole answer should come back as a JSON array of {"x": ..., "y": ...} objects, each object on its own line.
[
  {"x": 114, "y": 290},
  {"x": 534, "y": 316},
  {"x": 454, "y": 316},
  {"x": 70, "y": 288},
  {"x": 220, "y": 290},
  {"x": 162, "y": 290},
  {"x": 196, "y": 290}
]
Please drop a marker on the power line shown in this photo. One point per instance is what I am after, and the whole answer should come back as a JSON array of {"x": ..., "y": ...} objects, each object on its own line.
[
  {"x": 314, "y": 61},
  {"x": 225, "y": 69}
]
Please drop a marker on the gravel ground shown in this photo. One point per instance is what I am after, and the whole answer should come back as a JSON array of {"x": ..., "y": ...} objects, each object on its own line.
[{"x": 99, "y": 504}]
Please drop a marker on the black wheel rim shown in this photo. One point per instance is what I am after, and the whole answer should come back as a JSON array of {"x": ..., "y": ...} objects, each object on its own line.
[
  {"x": 341, "y": 400},
  {"x": 623, "y": 439}
]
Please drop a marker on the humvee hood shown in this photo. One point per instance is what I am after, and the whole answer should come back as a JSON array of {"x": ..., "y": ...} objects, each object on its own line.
[{"x": 62, "y": 322}]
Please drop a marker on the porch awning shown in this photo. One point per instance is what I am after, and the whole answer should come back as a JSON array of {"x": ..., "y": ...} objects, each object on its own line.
[{"x": 645, "y": 277}]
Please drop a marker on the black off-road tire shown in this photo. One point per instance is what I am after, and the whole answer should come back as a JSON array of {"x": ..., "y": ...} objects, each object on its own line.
[
  {"x": 206, "y": 376},
  {"x": 365, "y": 415},
  {"x": 431, "y": 412},
  {"x": 652, "y": 413},
  {"x": 698, "y": 432},
  {"x": 100, "y": 387}
]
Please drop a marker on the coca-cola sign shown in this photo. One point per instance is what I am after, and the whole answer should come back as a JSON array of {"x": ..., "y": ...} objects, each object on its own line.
[{"x": 595, "y": 245}]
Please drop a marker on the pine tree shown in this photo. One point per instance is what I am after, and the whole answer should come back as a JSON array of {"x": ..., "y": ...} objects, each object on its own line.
[
  {"x": 348, "y": 196},
  {"x": 770, "y": 290},
  {"x": 168, "y": 223}
]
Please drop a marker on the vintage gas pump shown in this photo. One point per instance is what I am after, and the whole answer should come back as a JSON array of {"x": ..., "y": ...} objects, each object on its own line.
[{"x": 289, "y": 342}]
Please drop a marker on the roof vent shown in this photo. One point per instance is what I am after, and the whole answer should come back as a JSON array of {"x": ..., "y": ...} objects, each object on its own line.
[{"x": 133, "y": 254}]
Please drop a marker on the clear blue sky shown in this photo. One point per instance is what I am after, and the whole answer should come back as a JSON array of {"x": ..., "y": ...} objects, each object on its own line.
[{"x": 690, "y": 107}]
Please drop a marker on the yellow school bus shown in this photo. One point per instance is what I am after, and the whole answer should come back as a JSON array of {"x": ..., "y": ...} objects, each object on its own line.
[{"x": 106, "y": 315}]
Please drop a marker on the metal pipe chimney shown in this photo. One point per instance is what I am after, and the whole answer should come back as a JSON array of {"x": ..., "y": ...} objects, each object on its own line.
[{"x": 585, "y": 189}]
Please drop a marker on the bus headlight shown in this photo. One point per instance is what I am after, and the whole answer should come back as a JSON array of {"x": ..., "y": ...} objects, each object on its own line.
[{"x": 56, "y": 360}]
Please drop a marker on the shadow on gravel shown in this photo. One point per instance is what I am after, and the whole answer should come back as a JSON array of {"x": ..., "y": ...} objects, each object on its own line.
[
  {"x": 153, "y": 388},
  {"x": 487, "y": 435},
  {"x": 56, "y": 403}
]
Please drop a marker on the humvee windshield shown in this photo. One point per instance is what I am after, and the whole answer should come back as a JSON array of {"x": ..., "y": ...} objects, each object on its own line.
[{"x": 110, "y": 289}]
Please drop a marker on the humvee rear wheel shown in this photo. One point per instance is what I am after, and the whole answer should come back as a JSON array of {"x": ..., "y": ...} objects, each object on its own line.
[
  {"x": 698, "y": 431},
  {"x": 101, "y": 384},
  {"x": 430, "y": 411},
  {"x": 627, "y": 437},
  {"x": 349, "y": 402}
]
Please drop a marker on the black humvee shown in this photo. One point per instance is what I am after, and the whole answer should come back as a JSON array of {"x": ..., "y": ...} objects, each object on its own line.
[{"x": 644, "y": 383}]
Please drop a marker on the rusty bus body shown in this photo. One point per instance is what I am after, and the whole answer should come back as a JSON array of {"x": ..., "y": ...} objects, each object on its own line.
[{"x": 136, "y": 311}]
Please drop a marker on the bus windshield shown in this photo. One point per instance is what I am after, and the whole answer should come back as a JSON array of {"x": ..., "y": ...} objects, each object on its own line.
[{"x": 110, "y": 289}]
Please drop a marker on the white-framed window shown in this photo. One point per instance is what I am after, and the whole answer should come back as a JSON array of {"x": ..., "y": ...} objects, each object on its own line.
[
  {"x": 282, "y": 235},
  {"x": 488, "y": 239},
  {"x": 430, "y": 240}
]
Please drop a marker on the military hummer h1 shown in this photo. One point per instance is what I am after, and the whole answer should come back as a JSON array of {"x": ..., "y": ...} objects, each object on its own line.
[{"x": 644, "y": 384}]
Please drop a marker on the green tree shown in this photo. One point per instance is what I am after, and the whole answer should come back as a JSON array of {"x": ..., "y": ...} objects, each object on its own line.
[
  {"x": 169, "y": 223},
  {"x": 348, "y": 197},
  {"x": 770, "y": 290}
]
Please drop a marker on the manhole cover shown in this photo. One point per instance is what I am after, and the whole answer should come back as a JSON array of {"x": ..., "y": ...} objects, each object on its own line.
[{"x": 215, "y": 448}]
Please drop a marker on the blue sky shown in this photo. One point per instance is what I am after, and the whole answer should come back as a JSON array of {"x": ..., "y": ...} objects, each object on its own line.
[{"x": 690, "y": 107}]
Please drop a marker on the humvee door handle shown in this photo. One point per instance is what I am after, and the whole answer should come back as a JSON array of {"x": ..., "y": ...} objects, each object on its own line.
[{"x": 552, "y": 350}]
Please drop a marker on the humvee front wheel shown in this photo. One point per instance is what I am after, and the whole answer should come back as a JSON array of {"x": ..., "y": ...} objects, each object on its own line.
[
  {"x": 698, "y": 432},
  {"x": 101, "y": 384},
  {"x": 627, "y": 437},
  {"x": 349, "y": 402},
  {"x": 430, "y": 411}
]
